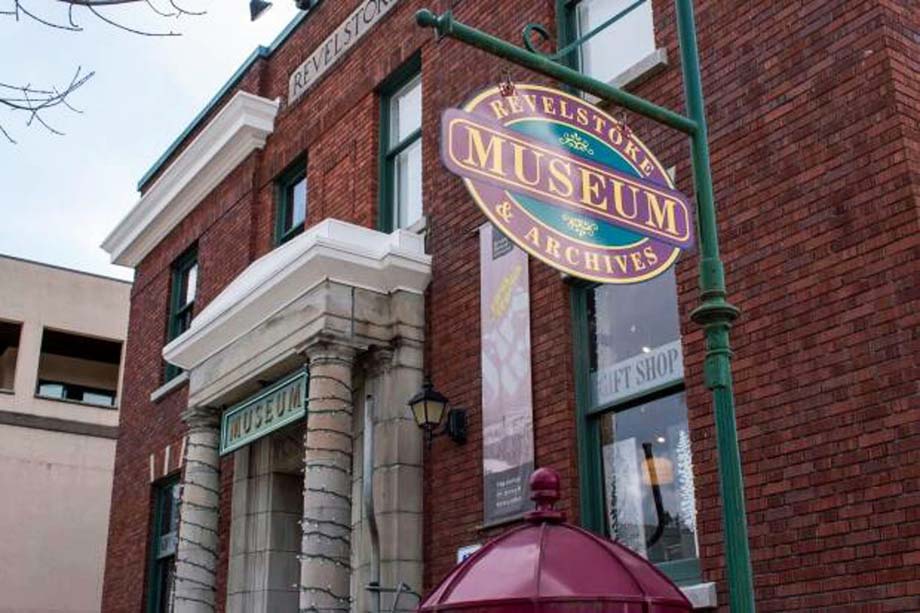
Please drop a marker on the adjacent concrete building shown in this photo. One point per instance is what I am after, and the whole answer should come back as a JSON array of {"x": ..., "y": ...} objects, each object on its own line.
[{"x": 61, "y": 342}]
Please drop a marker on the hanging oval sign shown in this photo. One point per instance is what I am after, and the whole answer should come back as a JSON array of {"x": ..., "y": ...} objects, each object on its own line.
[{"x": 568, "y": 183}]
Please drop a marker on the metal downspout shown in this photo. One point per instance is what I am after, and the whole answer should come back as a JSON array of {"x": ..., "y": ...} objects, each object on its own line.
[{"x": 367, "y": 483}]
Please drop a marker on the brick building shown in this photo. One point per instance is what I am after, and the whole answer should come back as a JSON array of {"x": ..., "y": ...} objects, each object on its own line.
[{"x": 305, "y": 219}]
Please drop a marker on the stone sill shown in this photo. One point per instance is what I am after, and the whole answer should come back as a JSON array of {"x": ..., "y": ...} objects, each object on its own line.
[
  {"x": 639, "y": 72},
  {"x": 701, "y": 595},
  {"x": 79, "y": 403},
  {"x": 168, "y": 387}
]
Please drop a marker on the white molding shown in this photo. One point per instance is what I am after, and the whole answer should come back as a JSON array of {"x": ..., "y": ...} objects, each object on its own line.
[
  {"x": 332, "y": 250},
  {"x": 701, "y": 595},
  {"x": 169, "y": 386},
  {"x": 637, "y": 73},
  {"x": 241, "y": 126}
]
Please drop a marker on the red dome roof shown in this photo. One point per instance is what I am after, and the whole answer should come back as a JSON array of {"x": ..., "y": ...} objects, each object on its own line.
[{"x": 548, "y": 565}]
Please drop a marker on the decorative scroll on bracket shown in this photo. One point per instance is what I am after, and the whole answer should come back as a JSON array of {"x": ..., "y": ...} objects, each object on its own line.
[{"x": 531, "y": 28}]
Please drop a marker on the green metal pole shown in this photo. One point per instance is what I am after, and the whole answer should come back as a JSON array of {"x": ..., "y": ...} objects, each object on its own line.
[
  {"x": 716, "y": 315},
  {"x": 446, "y": 26}
]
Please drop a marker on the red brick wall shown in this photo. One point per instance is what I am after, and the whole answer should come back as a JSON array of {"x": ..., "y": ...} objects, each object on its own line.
[{"x": 814, "y": 111}]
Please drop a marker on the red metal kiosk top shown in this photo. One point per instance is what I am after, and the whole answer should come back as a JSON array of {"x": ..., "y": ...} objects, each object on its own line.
[{"x": 547, "y": 565}]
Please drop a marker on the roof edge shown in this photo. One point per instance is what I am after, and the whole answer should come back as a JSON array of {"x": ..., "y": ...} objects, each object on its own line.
[
  {"x": 260, "y": 52},
  {"x": 15, "y": 258}
]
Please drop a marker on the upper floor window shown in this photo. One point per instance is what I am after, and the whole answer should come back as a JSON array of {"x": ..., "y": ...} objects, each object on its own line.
[
  {"x": 291, "y": 202},
  {"x": 401, "y": 149},
  {"x": 637, "y": 415},
  {"x": 619, "y": 46},
  {"x": 9, "y": 350},
  {"x": 78, "y": 368},
  {"x": 182, "y": 299}
]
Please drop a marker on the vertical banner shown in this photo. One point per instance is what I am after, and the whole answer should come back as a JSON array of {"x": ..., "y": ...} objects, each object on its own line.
[{"x": 507, "y": 395}]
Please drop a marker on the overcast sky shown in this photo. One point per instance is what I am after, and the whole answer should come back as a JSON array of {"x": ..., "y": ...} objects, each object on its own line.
[{"x": 61, "y": 195}]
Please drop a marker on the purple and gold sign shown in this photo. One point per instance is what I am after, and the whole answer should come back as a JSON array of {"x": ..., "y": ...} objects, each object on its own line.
[{"x": 568, "y": 184}]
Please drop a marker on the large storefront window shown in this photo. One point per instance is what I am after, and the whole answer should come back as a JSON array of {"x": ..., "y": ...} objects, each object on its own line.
[
  {"x": 163, "y": 543},
  {"x": 635, "y": 431}
]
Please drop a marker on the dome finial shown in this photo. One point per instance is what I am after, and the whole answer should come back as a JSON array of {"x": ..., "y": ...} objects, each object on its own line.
[{"x": 544, "y": 491}]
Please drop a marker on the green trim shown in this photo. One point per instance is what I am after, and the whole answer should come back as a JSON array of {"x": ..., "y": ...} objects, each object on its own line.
[
  {"x": 627, "y": 402},
  {"x": 173, "y": 328},
  {"x": 446, "y": 25},
  {"x": 567, "y": 32},
  {"x": 385, "y": 191},
  {"x": 682, "y": 572},
  {"x": 290, "y": 176},
  {"x": 260, "y": 52},
  {"x": 573, "y": 39},
  {"x": 590, "y": 468},
  {"x": 300, "y": 378},
  {"x": 591, "y": 483},
  {"x": 160, "y": 500}
]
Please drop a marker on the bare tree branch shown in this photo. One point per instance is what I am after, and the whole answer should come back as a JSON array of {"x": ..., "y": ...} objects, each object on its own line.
[{"x": 33, "y": 102}]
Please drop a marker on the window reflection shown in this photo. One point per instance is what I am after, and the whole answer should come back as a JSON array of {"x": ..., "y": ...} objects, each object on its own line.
[
  {"x": 635, "y": 339},
  {"x": 648, "y": 479}
]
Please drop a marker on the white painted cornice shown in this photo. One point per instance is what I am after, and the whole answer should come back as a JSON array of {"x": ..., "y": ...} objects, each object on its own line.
[
  {"x": 241, "y": 126},
  {"x": 332, "y": 250}
]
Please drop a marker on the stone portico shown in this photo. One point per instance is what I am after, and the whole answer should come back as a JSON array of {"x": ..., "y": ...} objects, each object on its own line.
[{"x": 347, "y": 302}]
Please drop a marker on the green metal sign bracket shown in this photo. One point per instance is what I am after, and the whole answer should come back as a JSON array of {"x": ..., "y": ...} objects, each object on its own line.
[{"x": 715, "y": 314}]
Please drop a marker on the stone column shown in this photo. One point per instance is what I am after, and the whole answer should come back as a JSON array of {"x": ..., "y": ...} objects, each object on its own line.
[
  {"x": 197, "y": 551},
  {"x": 325, "y": 566}
]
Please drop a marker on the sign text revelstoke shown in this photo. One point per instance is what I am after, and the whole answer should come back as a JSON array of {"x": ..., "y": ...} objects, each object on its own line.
[{"x": 334, "y": 47}]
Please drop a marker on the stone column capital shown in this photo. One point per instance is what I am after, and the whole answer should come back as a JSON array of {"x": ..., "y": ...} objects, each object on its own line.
[
  {"x": 325, "y": 347},
  {"x": 378, "y": 360},
  {"x": 201, "y": 418}
]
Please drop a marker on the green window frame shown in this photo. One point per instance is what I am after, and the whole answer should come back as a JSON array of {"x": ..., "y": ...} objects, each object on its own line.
[
  {"x": 639, "y": 12},
  {"x": 292, "y": 202},
  {"x": 184, "y": 288},
  {"x": 405, "y": 77},
  {"x": 593, "y": 496},
  {"x": 164, "y": 540}
]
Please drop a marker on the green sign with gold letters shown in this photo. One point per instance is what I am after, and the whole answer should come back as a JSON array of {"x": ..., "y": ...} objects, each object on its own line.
[{"x": 274, "y": 407}]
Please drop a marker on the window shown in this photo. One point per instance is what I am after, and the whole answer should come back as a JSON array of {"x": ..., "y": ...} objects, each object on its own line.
[
  {"x": 9, "y": 350},
  {"x": 182, "y": 300},
  {"x": 401, "y": 149},
  {"x": 291, "y": 203},
  {"x": 78, "y": 368},
  {"x": 629, "y": 39},
  {"x": 164, "y": 539},
  {"x": 636, "y": 440}
]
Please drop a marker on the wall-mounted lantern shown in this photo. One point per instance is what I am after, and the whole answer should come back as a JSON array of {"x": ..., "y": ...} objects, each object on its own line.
[{"x": 429, "y": 407}]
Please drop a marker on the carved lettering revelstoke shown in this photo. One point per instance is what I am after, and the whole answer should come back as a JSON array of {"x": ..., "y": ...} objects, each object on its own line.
[{"x": 362, "y": 19}]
